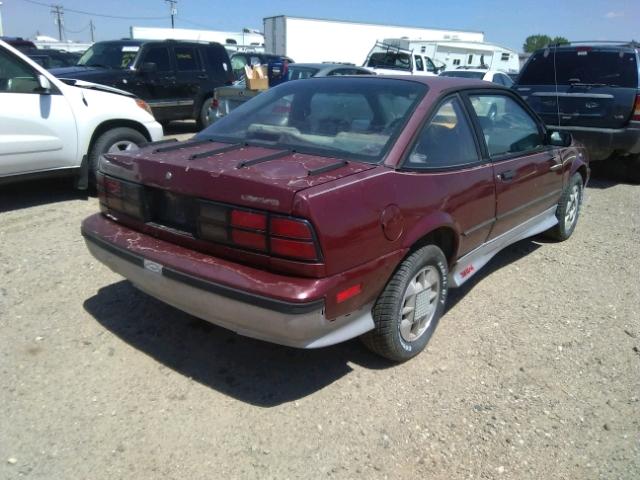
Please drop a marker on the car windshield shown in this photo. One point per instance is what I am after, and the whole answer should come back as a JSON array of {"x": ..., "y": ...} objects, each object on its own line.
[
  {"x": 385, "y": 58},
  {"x": 581, "y": 66},
  {"x": 299, "y": 73},
  {"x": 115, "y": 55},
  {"x": 463, "y": 74},
  {"x": 356, "y": 117}
]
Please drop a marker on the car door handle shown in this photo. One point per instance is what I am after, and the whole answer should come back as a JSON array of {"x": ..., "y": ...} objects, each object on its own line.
[
  {"x": 203, "y": 76},
  {"x": 507, "y": 175}
]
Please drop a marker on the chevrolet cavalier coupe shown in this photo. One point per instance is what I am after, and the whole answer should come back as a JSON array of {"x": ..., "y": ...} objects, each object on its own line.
[{"x": 333, "y": 208}]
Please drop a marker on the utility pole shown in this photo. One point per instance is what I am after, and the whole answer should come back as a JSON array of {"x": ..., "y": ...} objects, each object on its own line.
[
  {"x": 173, "y": 10},
  {"x": 58, "y": 11},
  {"x": 92, "y": 28},
  {"x": 1, "y": 31}
]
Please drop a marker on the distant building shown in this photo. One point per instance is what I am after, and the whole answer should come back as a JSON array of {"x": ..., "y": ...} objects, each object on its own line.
[
  {"x": 45, "y": 42},
  {"x": 247, "y": 39}
]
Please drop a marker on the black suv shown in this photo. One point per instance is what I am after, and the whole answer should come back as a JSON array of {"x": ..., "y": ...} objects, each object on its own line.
[
  {"x": 176, "y": 78},
  {"x": 592, "y": 91}
]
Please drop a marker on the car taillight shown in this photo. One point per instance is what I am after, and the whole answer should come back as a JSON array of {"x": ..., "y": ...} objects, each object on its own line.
[
  {"x": 286, "y": 227},
  {"x": 636, "y": 110},
  {"x": 121, "y": 196},
  {"x": 251, "y": 220},
  {"x": 214, "y": 103},
  {"x": 278, "y": 236}
]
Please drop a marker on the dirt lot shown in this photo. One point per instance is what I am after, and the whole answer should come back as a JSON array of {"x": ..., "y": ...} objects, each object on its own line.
[{"x": 534, "y": 372}]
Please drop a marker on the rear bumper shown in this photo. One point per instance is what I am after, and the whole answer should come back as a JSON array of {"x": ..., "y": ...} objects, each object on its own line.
[
  {"x": 296, "y": 324},
  {"x": 603, "y": 142}
]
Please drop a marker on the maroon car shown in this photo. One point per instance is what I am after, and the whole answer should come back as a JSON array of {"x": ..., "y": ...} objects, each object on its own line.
[{"x": 337, "y": 207}]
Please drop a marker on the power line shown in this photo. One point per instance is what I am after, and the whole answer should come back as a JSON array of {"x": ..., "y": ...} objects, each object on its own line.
[{"x": 82, "y": 12}]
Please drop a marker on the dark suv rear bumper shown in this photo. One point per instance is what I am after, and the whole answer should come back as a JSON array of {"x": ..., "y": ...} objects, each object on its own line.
[{"x": 601, "y": 143}]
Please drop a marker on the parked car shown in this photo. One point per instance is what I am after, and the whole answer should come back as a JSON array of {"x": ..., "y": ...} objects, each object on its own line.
[
  {"x": 19, "y": 43},
  {"x": 494, "y": 76},
  {"x": 278, "y": 62},
  {"x": 226, "y": 99},
  {"x": 592, "y": 91},
  {"x": 354, "y": 217},
  {"x": 48, "y": 127},
  {"x": 50, "y": 58},
  {"x": 176, "y": 78}
]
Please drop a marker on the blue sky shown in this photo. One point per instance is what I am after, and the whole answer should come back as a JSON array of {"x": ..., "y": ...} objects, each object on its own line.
[{"x": 504, "y": 22}]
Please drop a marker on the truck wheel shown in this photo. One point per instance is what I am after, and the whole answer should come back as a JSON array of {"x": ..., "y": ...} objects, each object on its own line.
[
  {"x": 203, "y": 119},
  {"x": 121, "y": 139},
  {"x": 408, "y": 310},
  {"x": 568, "y": 210},
  {"x": 632, "y": 170}
]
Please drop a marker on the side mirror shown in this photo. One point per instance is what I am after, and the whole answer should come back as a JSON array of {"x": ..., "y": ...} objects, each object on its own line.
[
  {"x": 44, "y": 85},
  {"x": 148, "y": 67},
  {"x": 559, "y": 139}
]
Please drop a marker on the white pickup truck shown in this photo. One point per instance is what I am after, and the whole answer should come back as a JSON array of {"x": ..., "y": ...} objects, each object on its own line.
[
  {"x": 52, "y": 127},
  {"x": 394, "y": 57}
]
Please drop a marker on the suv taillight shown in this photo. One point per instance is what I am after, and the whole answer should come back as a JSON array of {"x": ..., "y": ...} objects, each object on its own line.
[
  {"x": 121, "y": 196},
  {"x": 636, "y": 110},
  {"x": 275, "y": 235}
]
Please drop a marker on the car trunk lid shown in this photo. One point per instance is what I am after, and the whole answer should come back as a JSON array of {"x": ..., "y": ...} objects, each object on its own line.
[{"x": 252, "y": 176}]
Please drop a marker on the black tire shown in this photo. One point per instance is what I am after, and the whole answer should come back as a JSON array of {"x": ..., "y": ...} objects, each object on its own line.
[
  {"x": 565, "y": 228},
  {"x": 632, "y": 169},
  {"x": 386, "y": 339},
  {"x": 203, "y": 120},
  {"x": 107, "y": 140}
]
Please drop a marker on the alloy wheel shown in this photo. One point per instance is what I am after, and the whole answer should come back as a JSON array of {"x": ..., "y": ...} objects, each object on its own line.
[{"x": 419, "y": 303}]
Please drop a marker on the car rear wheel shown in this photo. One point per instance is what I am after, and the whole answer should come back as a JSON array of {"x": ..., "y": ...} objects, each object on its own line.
[
  {"x": 204, "y": 119},
  {"x": 408, "y": 310},
  {"x": 116, "y": 140},
  {"x": 568, "y": 209}
]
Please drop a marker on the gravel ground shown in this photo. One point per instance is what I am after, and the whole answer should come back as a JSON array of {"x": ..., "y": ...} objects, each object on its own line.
[{"x": 534, "y": 372}]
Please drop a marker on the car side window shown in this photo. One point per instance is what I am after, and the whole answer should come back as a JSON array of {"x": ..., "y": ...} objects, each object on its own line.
[
  {"x": 186, "y": 59},
  {"x": 159, "y": 56},
  {"x": 15, "y": 76},
  {"x": 430, "y": 65},
  {"x": 506, "y": 80},
  {"x": 507, "y": 127},
  {"x": 497, "y": 78},
  {"x": 419, "y": 63},
  {"x": 446, "y": 141}
]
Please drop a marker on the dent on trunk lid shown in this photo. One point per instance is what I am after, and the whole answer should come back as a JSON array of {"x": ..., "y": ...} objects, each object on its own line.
[{"x": 271, "y": 184}]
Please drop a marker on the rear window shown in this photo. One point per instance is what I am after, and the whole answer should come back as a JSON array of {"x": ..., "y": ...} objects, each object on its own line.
[
  {"x": 300, "y": 73},
  {"x": 353, "y": 117},
  {"x": 463, "y": 74},
  {"x": 610, "y": 68}
]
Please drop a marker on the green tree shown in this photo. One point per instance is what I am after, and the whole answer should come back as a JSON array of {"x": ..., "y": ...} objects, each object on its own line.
[{"x": 534, "y": 42}]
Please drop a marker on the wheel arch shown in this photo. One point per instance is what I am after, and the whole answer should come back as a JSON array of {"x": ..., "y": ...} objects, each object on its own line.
[
  {"x": 439, "y": 230},
  {"x": 83, "y": 178},
  {"x": 117, "y": 123}
]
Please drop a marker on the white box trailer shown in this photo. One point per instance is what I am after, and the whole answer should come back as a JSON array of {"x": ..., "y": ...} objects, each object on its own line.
[{"x": 318, "y": 40}]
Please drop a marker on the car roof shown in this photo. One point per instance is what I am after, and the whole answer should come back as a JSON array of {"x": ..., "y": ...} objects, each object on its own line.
[
  {"x": 615, "y": 47},
  {"x": 139, "y": 41},
  {"x": 435, "y": 84}
]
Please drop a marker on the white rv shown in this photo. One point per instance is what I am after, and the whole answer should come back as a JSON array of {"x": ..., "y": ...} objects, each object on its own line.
[{"x": 410, "y": 55}]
